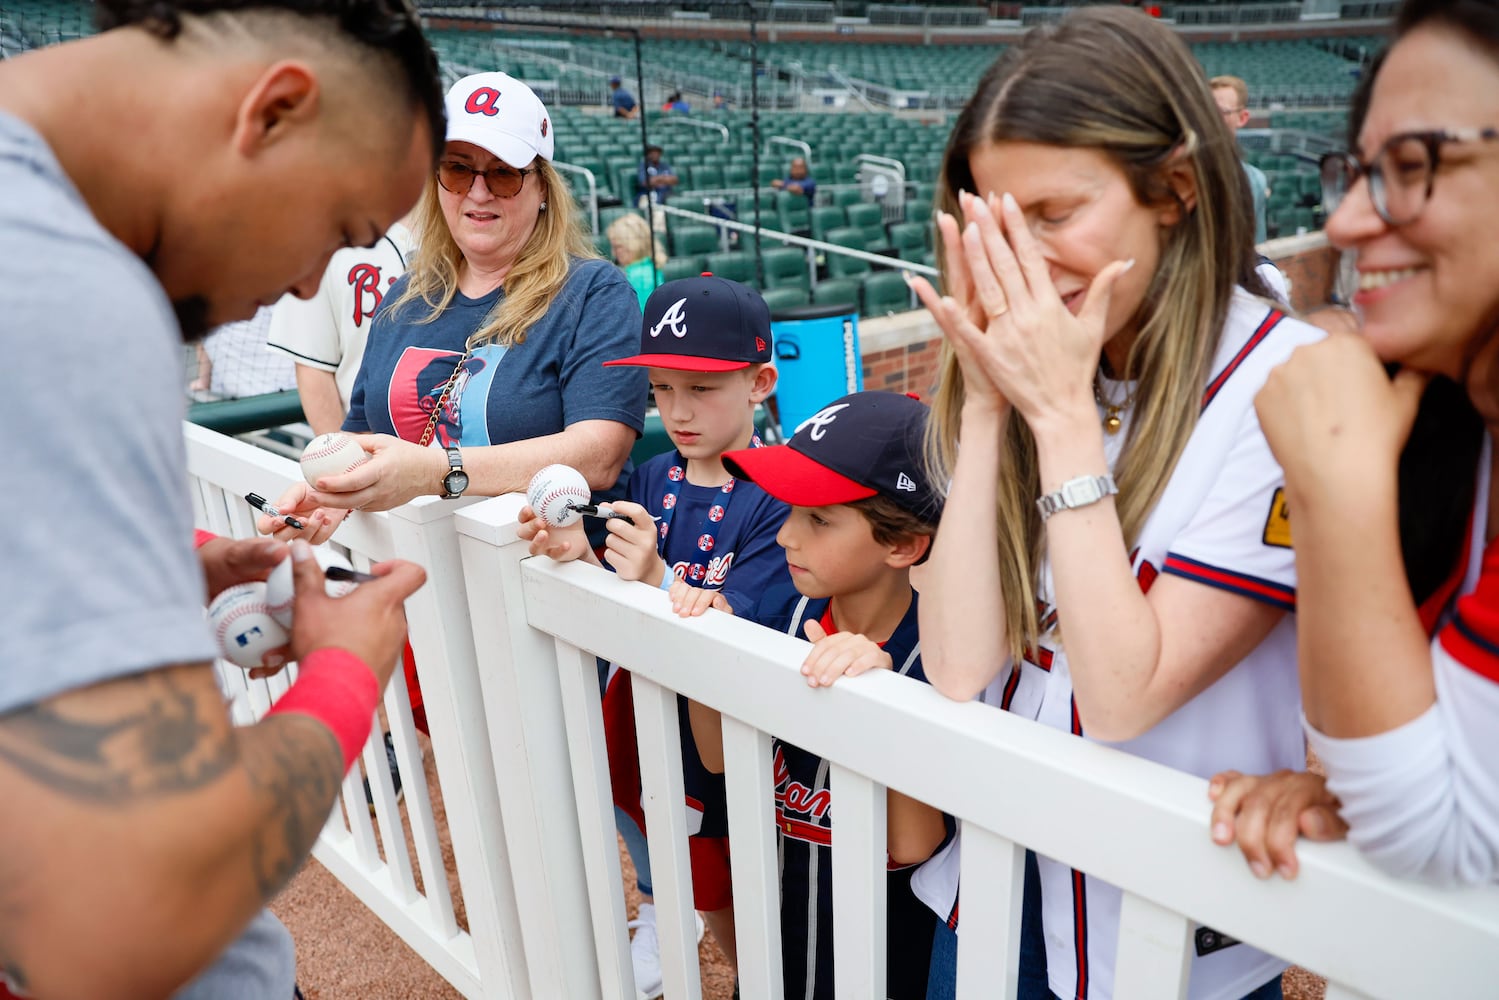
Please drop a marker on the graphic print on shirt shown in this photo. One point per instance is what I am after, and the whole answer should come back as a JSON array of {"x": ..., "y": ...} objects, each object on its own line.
[{"x": 418, "y": 381}]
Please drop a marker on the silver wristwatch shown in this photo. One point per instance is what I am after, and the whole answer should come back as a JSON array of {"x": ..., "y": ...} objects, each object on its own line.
[{"x": 1077, "y": 492}]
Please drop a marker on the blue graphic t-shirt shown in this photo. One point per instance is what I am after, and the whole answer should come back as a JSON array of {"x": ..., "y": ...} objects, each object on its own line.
[
  {"x": 554, "y": 379},
  {"x": 804, "y": 830}
]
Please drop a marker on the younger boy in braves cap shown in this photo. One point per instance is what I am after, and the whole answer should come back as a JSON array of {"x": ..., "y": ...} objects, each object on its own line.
[
  {"x": 862, "y": 515},
  {"x": 697, "y": 530}
]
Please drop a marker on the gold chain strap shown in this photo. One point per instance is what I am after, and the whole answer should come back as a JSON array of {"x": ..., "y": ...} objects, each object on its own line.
[{"x": 437, "y": 409}]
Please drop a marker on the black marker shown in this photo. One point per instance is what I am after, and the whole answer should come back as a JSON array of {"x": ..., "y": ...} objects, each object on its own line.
[
  {"x": 592, "y": 510},
  {"x": 342, "y": 575},
  {"x": 258, "y": 502}
]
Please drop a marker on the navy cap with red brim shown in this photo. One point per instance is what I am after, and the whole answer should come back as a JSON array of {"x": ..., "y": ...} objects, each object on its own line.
[
  {"x": 793, "y": 477},
  {"x": 680, "y": 363}
]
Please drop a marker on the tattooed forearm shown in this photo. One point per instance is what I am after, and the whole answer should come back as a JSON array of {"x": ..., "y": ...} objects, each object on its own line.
[
  {"x": 295, "y": 766},
  {"x": 170, "y": 736}
]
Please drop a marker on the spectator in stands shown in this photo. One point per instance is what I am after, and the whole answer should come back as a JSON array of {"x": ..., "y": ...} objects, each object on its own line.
[
  {"x": 1232, "y": 96},
  {"x": 492, "y": 343},
  {"x": 1105, "y": 339},
  {"x": 656, "y": 178},
  {"x": 622, "y": 100},
  {"x": 676, "y": 103},
  {"x": 1389, "y": 481},
  {"x": 719, "y": 101},
  {"x": 325, "y": 335},
  {"x": 630, "y": 241},
  {"x": 798, "y": 180},
  {"x": 161, "y": 178}
]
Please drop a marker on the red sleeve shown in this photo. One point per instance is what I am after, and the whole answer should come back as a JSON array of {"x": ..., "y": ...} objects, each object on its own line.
[
  {"x": 202, "y": 538},
  {"x": 1472, "y": 637}
]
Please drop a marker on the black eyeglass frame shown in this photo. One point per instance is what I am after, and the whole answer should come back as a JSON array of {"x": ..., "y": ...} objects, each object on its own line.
[
  {"x": 1352, "y": 168},
  {"x": 490, "y": 175}
]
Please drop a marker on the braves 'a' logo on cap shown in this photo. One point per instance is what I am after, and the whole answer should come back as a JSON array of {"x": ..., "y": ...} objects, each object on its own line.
[
  {"x": 484, "y": 101},
  {"x": 820, "y": 421},
  {"x": 674, "y": 319}
]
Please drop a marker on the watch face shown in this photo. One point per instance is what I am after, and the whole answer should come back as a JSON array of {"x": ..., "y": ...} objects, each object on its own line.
[{"x": 455, "y": 482}]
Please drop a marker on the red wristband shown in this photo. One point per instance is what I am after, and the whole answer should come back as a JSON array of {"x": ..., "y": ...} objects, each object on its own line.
[
  {"x": 336, "y": 688},
  {"x": 202, "y": 538}
]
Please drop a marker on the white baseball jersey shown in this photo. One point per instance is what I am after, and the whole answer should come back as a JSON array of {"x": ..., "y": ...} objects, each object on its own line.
[
  {"x": 328, "y": 331},
  {"x": 1222, "y": 522},
  {"x": 1422, "y": 800}
]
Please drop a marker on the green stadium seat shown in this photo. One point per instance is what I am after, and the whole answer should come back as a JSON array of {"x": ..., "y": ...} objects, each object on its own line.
[
  {"x": 785, "y": 298},
  {"x": 885, "y": 292},
  {"x": 736, "y": 175},
  {"x": 794, "y": 213},
  {"x": 707, "y": 176},
  {"x": 694, "y": 241},
  {"x": 871, "y": 220},
  {"x": 842, "y": 291},
  {"x": 785, "y": 267},
  {"x": 848, "y": 197},
  {"x": 682, "y": 267},
  {"x": 908, "y": 239},
  {"x": 825, "y": 218},
  {"x": 919, "y": 210},
  {"x": 840, "y": 266},
  {"x": 736, "y": 265}
]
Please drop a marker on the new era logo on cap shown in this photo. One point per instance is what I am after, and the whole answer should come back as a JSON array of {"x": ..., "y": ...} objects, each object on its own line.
[
  {"x": 704, "y": 324},
  {"x": 863, "y": 445},
  {"x": 498, "y": 113}
]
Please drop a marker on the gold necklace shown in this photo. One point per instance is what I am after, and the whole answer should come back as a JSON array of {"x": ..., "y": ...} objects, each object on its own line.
[{"x": 1111, "y": 411}]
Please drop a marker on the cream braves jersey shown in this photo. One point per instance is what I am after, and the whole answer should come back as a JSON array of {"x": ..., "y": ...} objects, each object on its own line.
[
  {"x": 328, "y": 331},
  {"x": 1422, "y": 800},
  {"x": 1221, "y": 522}
]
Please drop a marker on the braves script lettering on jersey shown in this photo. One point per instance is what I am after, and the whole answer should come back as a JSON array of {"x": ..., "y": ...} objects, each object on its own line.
[
  {"x": 1423, "y": 799},
  {"x": 804, "y": 826},
  {"x": 328, "y": 331},
  {"x": 1209, "y": 526}
]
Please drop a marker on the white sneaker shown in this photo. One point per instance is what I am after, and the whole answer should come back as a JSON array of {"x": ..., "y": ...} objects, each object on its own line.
[{"x": 645, "y": 951}]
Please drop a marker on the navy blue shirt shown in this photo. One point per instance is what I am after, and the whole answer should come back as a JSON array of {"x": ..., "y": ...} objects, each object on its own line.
[
  {"x": 804, "y": 830},
  {"x": 554, "y": 379},
  {"x": 742, "y": 561},
  {"x": 809, "y": 186},
  {"x": 648, "y": 170},
  {"x": 623, "y": 101}
]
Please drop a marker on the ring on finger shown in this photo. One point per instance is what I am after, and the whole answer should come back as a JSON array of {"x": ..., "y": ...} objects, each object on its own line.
[{"x": 995, "y": 314}]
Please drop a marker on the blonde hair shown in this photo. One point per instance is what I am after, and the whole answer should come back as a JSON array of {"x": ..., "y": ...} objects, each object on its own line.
[
  {"x": 630, "y": 235},
  {"x": 1116, "y": 81},
  {"x": 538, "y": 274},
  {"x": 1238, "y": 86}
]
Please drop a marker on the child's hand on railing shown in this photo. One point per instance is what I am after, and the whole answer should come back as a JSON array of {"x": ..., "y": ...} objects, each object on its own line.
[
  {"x": 1266, "y": 813},
  {"x": 631, "y": 548},
  {"x": 842, "y": 654},
  {"x": 561, "y": 544},
  {"x": 689, "y": 601}
]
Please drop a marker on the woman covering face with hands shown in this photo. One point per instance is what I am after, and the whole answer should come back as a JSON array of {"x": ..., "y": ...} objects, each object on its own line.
[
  {"x": 1114, "y": 559},
  {"x": 1399, "y": 604}
]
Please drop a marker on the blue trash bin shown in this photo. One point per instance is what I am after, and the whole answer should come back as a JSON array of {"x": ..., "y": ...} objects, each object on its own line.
[{"x": 817, "y": 354}]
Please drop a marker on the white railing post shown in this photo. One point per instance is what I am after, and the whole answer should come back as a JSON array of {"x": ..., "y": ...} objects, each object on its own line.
[
  {"x": 989, "y": 924},
  {"x": 520, "y": 700},
  {"x": 1155, "y": 955},
  {"x": 749, "y": 785},
  {"x": 859, "y": 865}
]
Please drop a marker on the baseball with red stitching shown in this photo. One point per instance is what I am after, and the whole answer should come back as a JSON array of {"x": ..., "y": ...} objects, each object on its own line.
[
  {"x": 555, "y": 491},
  {"x": 331, "y": 455},
  {"x": 242, "y": 625}
]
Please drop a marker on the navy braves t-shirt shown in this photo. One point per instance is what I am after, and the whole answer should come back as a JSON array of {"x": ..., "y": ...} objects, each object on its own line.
[
  {"x": 804, "y": 831},
  {"x": 555, "y": 378}
]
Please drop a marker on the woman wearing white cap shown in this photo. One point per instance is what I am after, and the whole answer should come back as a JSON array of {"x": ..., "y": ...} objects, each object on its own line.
[{"x": 487, "y": 363}]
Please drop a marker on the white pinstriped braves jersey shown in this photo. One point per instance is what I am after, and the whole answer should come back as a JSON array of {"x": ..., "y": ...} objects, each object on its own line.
[
  {"x": 1221, "y": 522},
  {"x": 1422, "y": 800}
]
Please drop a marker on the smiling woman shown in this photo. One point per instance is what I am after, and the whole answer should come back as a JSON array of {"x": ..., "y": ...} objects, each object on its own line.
[
  {"x": 1106, "y": 335},
  {"x": 487, "y": 364}
]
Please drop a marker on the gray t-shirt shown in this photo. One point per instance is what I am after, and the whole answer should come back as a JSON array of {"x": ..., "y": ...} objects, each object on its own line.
[
  {"x": 100, "y": 575},
  {"x": 101, "y": 580}
]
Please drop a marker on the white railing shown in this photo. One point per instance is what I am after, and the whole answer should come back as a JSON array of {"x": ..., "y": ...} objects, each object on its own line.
[{"x": 507, "y": 647}]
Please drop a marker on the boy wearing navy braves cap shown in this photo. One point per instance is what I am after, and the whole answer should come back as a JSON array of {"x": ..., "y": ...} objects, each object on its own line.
[
  {"x": 862, "y": 514},
  {"x": 698, "y": 530}
]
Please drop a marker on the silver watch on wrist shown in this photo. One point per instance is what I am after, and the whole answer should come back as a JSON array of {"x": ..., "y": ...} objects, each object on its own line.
[{"x": 1077, "y": 492}]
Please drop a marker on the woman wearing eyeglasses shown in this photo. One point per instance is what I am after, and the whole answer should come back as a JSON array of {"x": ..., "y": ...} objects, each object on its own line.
[
  {"x": 487, "y": 362},
  {"x": 1401, "y": 699}
]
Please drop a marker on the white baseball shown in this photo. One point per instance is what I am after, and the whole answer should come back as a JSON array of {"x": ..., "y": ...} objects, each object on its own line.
[
  {"x": 331, "y": 455},
  {"x": 552, "y": 491},
  {"x": 280, "y": 587},
  {"x": 242, "y": 625}
]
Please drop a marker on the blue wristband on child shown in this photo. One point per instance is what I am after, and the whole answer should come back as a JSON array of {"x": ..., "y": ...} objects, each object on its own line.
[{"x": 667, "y": 579}]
